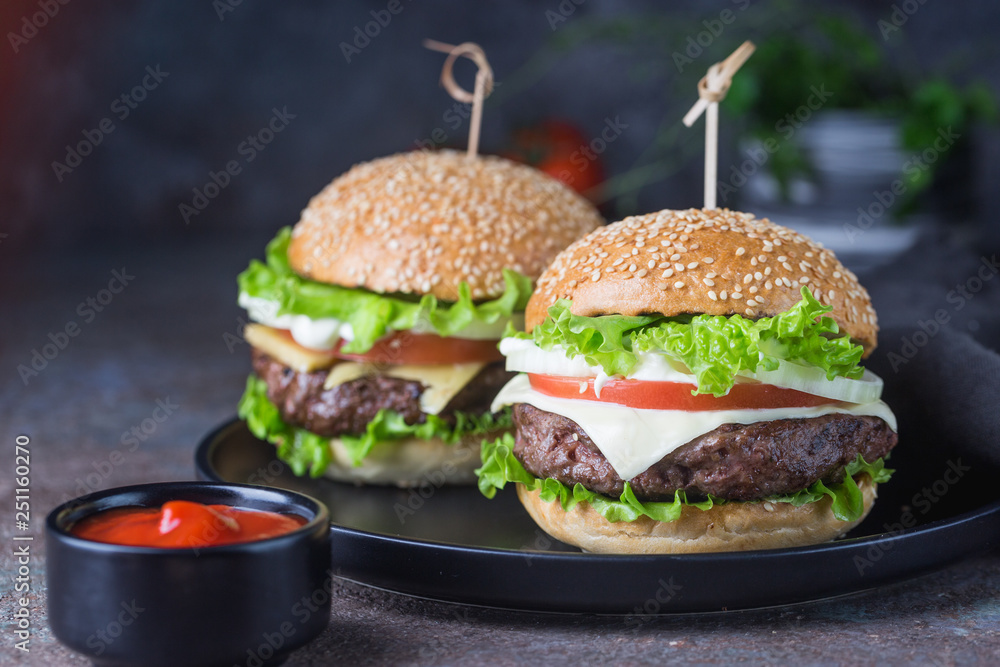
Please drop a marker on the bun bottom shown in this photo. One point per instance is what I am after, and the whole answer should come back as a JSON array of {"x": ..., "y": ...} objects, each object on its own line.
[
  {"x": 734, "y": 526},
  {"x": 410, "y": 462}
]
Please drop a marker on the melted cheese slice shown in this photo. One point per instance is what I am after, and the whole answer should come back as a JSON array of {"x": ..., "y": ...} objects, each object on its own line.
[
  {"x": 632, "y": 440},
  {"x": 279, "y": 345},
  {"x": 441, "y": 381}
]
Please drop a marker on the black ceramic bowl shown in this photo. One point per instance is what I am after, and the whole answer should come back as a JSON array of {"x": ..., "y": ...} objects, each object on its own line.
[{"x": 239, "y": 604}]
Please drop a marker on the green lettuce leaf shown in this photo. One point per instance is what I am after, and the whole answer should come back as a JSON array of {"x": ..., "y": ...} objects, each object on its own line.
[
  {"x": 714, "y": 347},
  {"x": 500, "y": 466},
  {"x": 307, "y": 452},
  {"x": 372, "y": 315},
  {"x": 846, "y": 496}
]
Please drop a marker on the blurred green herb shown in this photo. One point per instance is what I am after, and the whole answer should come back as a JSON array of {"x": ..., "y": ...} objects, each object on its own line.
[{"x": 839, "y": 54}]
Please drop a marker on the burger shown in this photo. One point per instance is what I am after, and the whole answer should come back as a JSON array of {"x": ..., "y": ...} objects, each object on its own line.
[
  {"x": 689, "y": 381},
  {"x": 374, "y": 321}
]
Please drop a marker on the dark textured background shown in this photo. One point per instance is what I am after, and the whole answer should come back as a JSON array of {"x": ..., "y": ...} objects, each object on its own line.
[{"x": 225, "y": 76}]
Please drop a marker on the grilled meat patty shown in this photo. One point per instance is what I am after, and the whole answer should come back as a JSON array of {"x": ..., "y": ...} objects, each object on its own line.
[
  {"x": 734, "y": 461},
  {"x": 348, "y": 407}
]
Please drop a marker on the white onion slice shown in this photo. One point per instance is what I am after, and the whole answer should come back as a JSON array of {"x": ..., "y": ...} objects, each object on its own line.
[{"x": 811, "y": 380}]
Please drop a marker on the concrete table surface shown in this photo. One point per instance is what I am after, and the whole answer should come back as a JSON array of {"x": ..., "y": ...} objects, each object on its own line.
[{"x": 167, "y": 336}]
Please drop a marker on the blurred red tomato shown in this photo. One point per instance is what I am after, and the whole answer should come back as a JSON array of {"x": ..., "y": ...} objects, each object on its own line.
[{"x": 561, "y": 150}]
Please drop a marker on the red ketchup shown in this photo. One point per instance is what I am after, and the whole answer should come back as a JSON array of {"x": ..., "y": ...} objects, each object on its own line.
[{"x": 181, "y": 523}]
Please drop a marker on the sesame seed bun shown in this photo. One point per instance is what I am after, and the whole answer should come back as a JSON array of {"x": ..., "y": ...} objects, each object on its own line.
[
  {"x": 422, "y": 222},
  {"x": 718, "y": 262},
  {"x": 734, "y": 526}
]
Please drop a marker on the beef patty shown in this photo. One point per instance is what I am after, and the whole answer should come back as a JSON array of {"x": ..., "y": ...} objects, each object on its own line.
[
  {"x": 347, "y": 408},
  {"x": 734, "y": 461}
]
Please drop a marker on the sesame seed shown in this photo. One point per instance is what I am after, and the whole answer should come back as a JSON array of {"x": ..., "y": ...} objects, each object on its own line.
[
  {"x": 595, "y": 276},
  {"x": 663, "y": 286},
  {"x": 782, "y": 258},
  {"x": 692, "y": 265},
  {"x": 722, "y": 295},
  {"x": 753, "y": 261},
  {"x": 641, "y": 273},
  {"x": 748, "y": 312},
  {"x": 712, "y": 295},
  {"x": 747, "y": 278},
  {"x": 675, "y": 257},
  {"x": 678, "y": 267},
  {"x": 618, "y": 261},
  {"x": 632, "y": 267},
  {"x": 679, "y": 284},
  {"x": 788, "y": 267},
  {"x": 768, "y": 285},
  {"x": 668, "y": 273},
  {"x": 651, "y": 264},
  {"x": 709, "y": 282},
  {"x": 708, "y": 260},
  {"x": 740, "y": 251},
  {"x": 751, "y": 302}
]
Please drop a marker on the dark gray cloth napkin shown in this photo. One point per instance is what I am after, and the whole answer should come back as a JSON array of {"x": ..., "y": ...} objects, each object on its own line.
[{"x": 939, "y": 307}]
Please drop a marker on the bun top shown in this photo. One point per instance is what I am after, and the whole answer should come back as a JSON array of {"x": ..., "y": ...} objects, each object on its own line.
[
  {"x": 422, "y": 222},
  {"x": 718, "y": 262}
]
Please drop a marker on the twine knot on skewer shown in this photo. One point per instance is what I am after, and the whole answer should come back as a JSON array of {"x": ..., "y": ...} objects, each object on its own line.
[
  {"x": 482, "y": 89},
  {"x": 713, "y": 86},
  {"x": 711, "y": 90}
]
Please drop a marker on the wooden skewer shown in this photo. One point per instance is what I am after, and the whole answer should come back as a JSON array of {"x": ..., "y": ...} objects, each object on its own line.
[
  {"x": 711, "y": 90},
  {"x": 482, "y": 89}
]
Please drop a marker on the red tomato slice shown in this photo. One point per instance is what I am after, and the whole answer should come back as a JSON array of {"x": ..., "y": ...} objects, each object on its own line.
[
  {"x": 650, "y": 395},
  {"x": 404, "y": 347}
]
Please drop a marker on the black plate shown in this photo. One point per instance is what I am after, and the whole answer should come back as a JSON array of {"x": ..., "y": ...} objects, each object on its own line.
[{"x": 452, "y": 544}]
